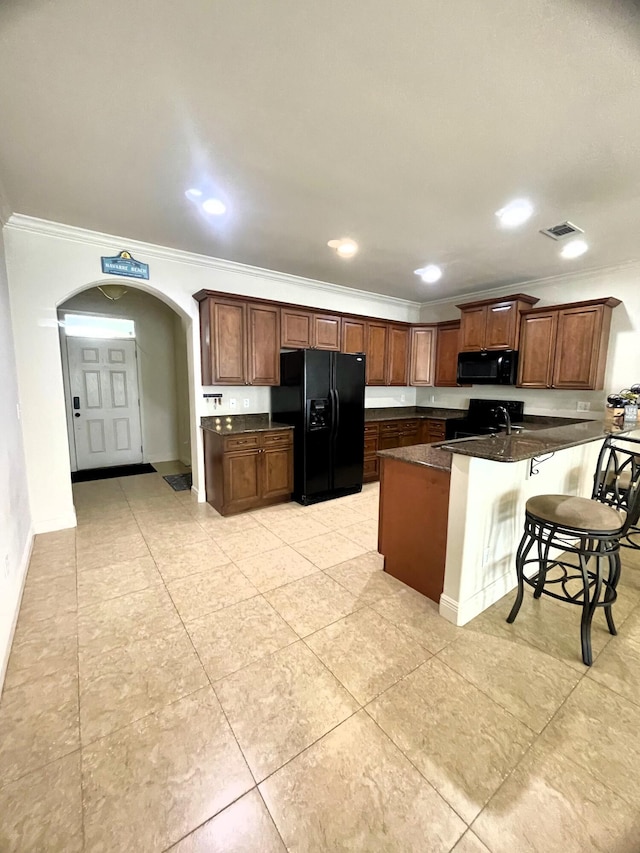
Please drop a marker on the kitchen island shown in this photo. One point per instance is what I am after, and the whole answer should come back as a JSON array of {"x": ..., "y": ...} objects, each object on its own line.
[{"x": 452, "y": 514}]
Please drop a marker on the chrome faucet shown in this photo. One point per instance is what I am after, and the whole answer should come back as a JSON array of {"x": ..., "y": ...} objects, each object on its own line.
[{"x": 501, "y": 410}]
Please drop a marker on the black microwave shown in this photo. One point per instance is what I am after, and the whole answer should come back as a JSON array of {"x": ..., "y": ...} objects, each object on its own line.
[{"x": 489, "y": 367}]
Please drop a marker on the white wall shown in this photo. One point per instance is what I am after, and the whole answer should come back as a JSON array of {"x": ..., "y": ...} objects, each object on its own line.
[
  {"x": 182, "y": 389},
  {"x": 623, "y": 362},
  {"x": 156, "y": 348},
  {"x": 48, "y": 263},
  {"x": 15, "y": 519}
]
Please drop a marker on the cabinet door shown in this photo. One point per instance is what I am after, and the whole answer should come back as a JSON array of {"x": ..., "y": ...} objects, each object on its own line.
[
  {"x": 263, "y": 362},
  {"x": 447, "y": 349},
  {"x": 398, "y": 356},
  {"x": 472, "y": 328},
  {"x": 577, "y": 347},
  {"x": 326, "y": 332},
  {"x": 376, "y": 353},
  {"x": 353, "y": 335},
  {"x": 421, "y": 358},
  {"x": 501, "y": 328},
  {"x": 296, "y": 329},
  {"x": 537, "y": 343},
  {"x": 228, "y": 342},
  {"x": 242, "y": 481},
  {"x": 277, "y": 472}
]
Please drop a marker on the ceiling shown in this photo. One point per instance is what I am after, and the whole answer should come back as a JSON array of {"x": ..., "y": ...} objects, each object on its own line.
[{"x": 404, "y": 125}]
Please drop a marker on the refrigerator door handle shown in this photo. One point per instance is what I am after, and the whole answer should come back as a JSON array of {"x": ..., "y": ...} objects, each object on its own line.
[{"x": 336, "y": 417}]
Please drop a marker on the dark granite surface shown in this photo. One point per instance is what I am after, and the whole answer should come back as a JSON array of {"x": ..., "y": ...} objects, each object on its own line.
[
  {"x": 235, "y": 424},
  {"x": 397, "y": 413},
  {"x": 526, "y": 445},
  {"x": 428, "y": 455}
]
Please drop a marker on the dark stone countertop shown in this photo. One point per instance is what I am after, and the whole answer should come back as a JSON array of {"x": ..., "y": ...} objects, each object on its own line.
[
  {"x": 235, "y": 424},
  {"x": 403, "y": 413},
  {"x": 427, "y": 455},
  {"x": 516, "y": 448}
]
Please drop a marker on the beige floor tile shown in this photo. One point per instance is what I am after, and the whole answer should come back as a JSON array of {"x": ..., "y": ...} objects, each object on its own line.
[
  {"x": 173, "y": 536},
  {"x": 38, "y": 723},
  {"x": 243, "y": 827},
  {"x": 545, "y": 625},
  {"x": 42, "y": 648},
  {"x": 366, "y": 653},
  {"x": 618, "y": 668},
  {"x": 238, "y": 635},
  {"x": 42, "y": 600},
  {"x": 418, "y": 617},
  {"x": 329, "y": 550},
  {"x": 202, "y": 556},
  {"x": 169, "y": 517},
  {"x": 58, "y": 542},
  {"x": 218, "y": 526},
  {"x": 132, "y": 681},
  {"x": 148, "y": 503},
  {"x": 294, "y": 527},
  {"x": 46, "y": 569},
  {"x": 148, "y": 785},
  {"x": 551, "y": 804},
  {"x": 470, "y": 843},
  {"x": 466, "y": 756},
  {"x": 630, "y": 630},
  {"x": 276, "y": 568},
  {"x": 364, "y": 578},
  {"x": 363, "y": 533},
  {"x": 206, "y": 592},
  {"x": 280, "y": 705},
  {"x": 335, "y": 517},
  {"x": 311, "y": 603},
  {"x": 42, "y": 811},
  {"x": 115, "y": 579},
  {"x": 119, "y": 550},
  {"x": 527, "y": 682},
  {"x": 123, "y": 620},
  {"x": 248, "y": 543},
  {"x": 598, "y": 730},
  {"x": 105, "y": 530},
  {"x": 354, "y": 790}
]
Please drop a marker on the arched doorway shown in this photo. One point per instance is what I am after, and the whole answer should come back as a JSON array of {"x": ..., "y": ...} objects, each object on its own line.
[{"x": 126, "y": 380}]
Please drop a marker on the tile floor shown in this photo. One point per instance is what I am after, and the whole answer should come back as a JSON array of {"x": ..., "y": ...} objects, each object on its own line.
[{"x": 184, "y": 682}]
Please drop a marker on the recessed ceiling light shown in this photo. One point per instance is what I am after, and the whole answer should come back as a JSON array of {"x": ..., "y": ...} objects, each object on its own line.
[
  {"x": 214, "y": 206},
  {"x": 515, "y": 213},
  {"x": 574, "y": 249},
  {"x": 193, "y": 194},
  {"x": 345, "y": 247},
  {"x": 429, "y": 274}
]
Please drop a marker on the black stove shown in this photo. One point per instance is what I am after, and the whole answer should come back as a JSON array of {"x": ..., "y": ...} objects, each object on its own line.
[{"x": 482, "y": 418}]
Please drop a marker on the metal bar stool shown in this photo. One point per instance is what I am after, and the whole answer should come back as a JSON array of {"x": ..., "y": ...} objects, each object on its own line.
[
  {"x": 612, "y": 487},
  {"x": 587, "y": 529}
]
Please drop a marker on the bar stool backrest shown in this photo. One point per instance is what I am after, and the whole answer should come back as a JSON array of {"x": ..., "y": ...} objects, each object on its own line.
[{"x": 617, "y": 477}]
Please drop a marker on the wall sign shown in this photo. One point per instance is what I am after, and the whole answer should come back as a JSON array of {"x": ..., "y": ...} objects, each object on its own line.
[{"x": 124, "y": 264}]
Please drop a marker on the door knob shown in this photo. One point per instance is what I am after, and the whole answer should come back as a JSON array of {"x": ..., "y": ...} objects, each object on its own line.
[{"x": 77, "y": 415}]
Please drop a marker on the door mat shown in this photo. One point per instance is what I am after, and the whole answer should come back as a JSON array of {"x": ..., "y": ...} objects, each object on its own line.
[
  {"x": 179, "y": 482},
  {"x": 109, "y": 473}
]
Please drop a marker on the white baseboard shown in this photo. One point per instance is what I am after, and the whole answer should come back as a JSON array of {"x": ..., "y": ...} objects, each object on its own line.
[
  {"x": 200, "y": 496},
  {"x": 461, "y": 612},
  {"x": 58, "y": 522},
  {"x": 22, "y": 577}
]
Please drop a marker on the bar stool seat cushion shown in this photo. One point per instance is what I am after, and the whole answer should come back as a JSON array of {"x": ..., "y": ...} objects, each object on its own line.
[{"x": 581, "y": 514}]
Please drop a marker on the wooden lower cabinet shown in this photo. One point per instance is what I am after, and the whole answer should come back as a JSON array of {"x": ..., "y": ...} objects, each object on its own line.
[
  {"x": 387, "y": 435},
  {"x": 432, "y": 430},
  {"x": 248, "y": 470}
]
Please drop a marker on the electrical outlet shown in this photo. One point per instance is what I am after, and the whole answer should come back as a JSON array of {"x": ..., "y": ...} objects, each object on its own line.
[
  {"x": 403, "y": 398},
  {"x": 233, "y": 403},
  {"x": 583, "y": 407},
  {"x": 432, "y": 398},
  {"x": 18, "y": 413},
  {"x": 245, "y": 403}
]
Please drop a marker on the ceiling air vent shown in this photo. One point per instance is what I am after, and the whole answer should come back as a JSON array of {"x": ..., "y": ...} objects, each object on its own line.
[{"x": 561, "y": 231}]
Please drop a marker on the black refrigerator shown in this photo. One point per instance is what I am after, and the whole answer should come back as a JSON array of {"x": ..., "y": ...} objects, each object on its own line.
[{"x": 322, "y": 395}]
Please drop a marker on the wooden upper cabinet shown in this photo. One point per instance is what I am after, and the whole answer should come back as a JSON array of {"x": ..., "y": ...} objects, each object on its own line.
[
  {"x": 421, "y": 356},
  {"x": 228, "y": 342},
  {"x": 398, "y": 356},
  {"x": 447, "y": 349},
  {"x": 353, "y": 335},
  {"x": 263, "y": 333},
  {"x": 325, "y": 332},
  {"x": 492, "y": 323},
  {"x": 376, "y": 350},
  {"x": 296, "y": 329},
  {"x": 565, "y": 346},
  {"x": 536, "y": 354}
]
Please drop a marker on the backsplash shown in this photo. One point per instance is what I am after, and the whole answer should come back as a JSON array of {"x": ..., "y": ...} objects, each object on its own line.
[
  {"x": 557, "y": 403},
  {"x": 259, "y": 399}
]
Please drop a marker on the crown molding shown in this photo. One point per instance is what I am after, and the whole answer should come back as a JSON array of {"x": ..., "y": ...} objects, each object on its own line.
[
  {"x": 45, "y": 227},
  {"x": 548, "y": 281}
]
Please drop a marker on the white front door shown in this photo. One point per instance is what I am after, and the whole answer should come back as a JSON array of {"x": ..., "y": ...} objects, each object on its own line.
[{"x": 103, "y": 379}]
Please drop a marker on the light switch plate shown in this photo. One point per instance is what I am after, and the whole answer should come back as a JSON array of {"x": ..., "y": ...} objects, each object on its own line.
[
  {"x": 583, "y": 406},
  {"x": 233, "y": 403}
]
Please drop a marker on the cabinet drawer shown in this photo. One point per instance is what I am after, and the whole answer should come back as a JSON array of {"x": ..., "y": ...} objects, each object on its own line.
[
  {"x": 277, "y": 439},
  {"x": 388, "y": 428},
  {"x": 370, "y": 446},
  {"x": 409, "y": 427},
  {"x": 371, "y": 429},
  {"x": 436, "y": 427},
  {"x": 241, "y": 442}
]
